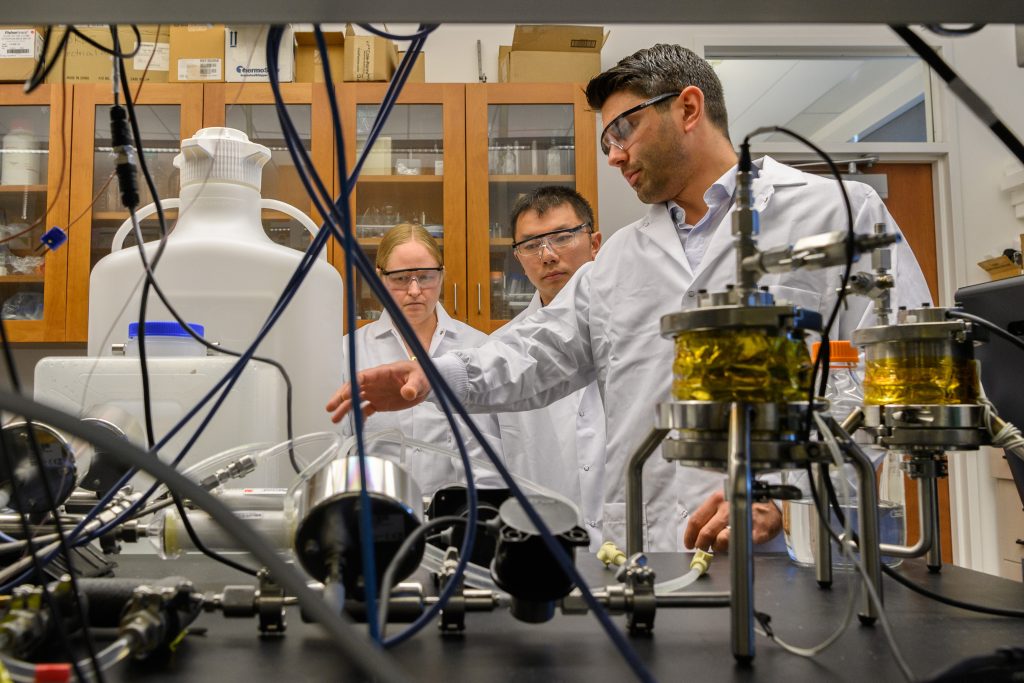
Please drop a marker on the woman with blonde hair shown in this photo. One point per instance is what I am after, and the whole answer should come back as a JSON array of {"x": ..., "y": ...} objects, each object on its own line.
[{"x": 410, "y": 264}]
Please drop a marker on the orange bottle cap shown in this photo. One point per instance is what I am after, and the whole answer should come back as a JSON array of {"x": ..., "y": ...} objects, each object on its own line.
[{"x": 839, "y": 352}]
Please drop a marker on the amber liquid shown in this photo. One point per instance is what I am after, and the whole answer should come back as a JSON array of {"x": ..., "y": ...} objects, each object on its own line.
[
  {"x": 928, "y": 380},
  {"x": 740, "y": 365}
]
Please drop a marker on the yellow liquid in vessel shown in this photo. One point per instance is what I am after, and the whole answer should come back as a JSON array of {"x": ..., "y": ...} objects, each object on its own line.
[
  {"x": 920, "y": 379},
  {"x": 740, "y": 365}
]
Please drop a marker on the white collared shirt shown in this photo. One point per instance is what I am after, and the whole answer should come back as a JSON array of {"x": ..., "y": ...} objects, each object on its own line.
[
  {"x": 379, "y": 343},
  {"x": 695, "y": 238},
  {"x": 561, "y": 446}
]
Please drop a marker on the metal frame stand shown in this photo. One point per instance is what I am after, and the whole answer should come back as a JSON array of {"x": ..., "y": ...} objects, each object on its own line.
[{"x": 739, "y": 489}]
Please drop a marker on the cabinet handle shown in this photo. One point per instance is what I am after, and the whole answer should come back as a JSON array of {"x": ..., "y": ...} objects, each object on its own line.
[
  {"x": 455, "y": 297},
  {"x": 1019, "y": 541},
  {"x": 479, "y": 299}
]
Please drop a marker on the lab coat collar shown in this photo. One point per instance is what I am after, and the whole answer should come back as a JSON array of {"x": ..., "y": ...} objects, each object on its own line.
[
  {"x": 534, "y": 306},
  {"x": 771, "y": 175},
  {"x": 386, "y": 325}
]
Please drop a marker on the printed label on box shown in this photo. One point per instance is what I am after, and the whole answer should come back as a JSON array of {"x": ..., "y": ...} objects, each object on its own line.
[
  {"x": 199, "y": 69},
  {"x": 161, "y": 57},
  {"x": 17, "y": 43}
]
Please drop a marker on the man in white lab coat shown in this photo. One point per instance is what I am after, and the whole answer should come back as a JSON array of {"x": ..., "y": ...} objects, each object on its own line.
[
  {"x": 560, "y": 446},
  {"x": 666, "y": 131}
]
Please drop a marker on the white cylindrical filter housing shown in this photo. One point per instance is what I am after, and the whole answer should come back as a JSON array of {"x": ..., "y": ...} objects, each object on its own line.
[
  {"x": 164, "y": 339},
  {"x": 220, "y": 269},
  {"x": 20, "y": 167},
  {"x": 168, "y": 535}
]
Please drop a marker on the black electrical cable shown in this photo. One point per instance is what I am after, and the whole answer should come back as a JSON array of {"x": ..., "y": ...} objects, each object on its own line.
[
  {"x": 128, "y": 194},
  {"x": 971, "y": 99},
  {"x": 388, "y": 580},
  {"x": 821, "y": 362},
  {"x": 356, "y": 649},
  {"x": 889, "y": 571},
  {"x": 949, "y": 32},
  {"x": 989, "y": 325},
  {"x": 51, "y": 503},
  {"x": 40, "y": 72},
  {"x": 443, "y": 390},
  {"x": 133, "y": 121},
  {"x": 114, "y": 51}
]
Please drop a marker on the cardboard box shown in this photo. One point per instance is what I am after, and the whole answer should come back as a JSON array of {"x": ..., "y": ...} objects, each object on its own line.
[
  {"x": 378, "y": 161},
  {"x": 999, "y": 268},
  {"x": 308, "y": 64},
  {"x": 245, "y": 55},
  {"x": 543, "y": 53},
  {"x": 368, "y": 58},
  {"x": 88, "y": 64},
  {"x": 20, "y": 48},
  {"x": 419, "y": 69},
  {"x": 197, "y": 53},
  {"x": 503, "y": 54}
]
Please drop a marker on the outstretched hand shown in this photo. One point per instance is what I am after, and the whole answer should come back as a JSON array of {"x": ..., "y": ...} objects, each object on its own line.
[
  {"x": 709, "y": 524},
  {"x": 395, "y": 386}
]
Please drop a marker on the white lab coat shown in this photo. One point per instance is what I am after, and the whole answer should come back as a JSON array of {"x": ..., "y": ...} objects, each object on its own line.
[
  {"x": 605, "y": 322},
  {"x": 560, "y": 446},
  {"x": 379, "y": 343}
]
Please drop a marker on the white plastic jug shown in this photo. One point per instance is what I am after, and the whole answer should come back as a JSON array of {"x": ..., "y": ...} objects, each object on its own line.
[{"x": 220, "y": 270}]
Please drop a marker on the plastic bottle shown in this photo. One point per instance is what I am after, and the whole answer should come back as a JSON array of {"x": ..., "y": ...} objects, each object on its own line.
[
  {"x": 165, "y": 338},
  {"x": 845, "y": 380},
  {"x": 219, "y": 268},
  {"x": 845, "y": 392},
  {"x": 20, "y": 168}
]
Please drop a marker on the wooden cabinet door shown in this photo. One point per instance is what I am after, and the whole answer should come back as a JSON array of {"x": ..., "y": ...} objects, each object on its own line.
[
  {"x": 414, "y": 173},
  {"x": 35, "y": 177},
  {"x": 167, "y": 113},
  {"x": 249, "y": 107},
  {"x": 518, "y": 137}
]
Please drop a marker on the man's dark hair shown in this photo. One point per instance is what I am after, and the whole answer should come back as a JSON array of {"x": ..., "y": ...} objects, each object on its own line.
[
  {"x": 547, "y": 197},
  {"x": 661, "y": 69}
]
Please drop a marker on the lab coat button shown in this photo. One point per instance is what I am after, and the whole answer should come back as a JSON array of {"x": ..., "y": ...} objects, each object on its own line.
[
  {"x": 691, "y": 294},
  {"x": 586, "y": 468}
]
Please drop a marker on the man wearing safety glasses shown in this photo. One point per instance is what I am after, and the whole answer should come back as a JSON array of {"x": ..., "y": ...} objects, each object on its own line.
[
  {"x": 666, "y": 131},
  {"x": 560, "y": 446}
]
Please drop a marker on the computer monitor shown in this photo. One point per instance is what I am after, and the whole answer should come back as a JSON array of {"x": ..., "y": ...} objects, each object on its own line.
[{"x": 1002, "y": 364}]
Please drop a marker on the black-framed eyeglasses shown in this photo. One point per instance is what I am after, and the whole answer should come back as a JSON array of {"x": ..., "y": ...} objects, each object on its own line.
[
  {"x": 621, "y": 128},
  {"x": 426, "y": 278},
  {"x": 556, "y": 240}
]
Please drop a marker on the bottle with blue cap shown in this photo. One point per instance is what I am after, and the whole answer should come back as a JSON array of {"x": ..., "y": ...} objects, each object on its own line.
[{"x": 164, "y": 339}]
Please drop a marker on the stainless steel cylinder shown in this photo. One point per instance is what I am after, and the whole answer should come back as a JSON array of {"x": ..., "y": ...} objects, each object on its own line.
[{"x": 327, "y": 509}]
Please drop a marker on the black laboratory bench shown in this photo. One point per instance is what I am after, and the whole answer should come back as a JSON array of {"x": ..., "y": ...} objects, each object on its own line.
[{"x": 687, "y": 644}]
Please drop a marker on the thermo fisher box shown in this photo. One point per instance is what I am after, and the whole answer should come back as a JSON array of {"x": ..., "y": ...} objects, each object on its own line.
[{"x": 245, "y": 55}]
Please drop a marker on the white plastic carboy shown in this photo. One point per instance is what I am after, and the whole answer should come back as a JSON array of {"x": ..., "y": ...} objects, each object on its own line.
[{"x": 220, "y": 270}]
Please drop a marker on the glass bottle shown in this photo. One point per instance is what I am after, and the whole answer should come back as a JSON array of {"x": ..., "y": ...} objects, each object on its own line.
[
  {"x": 892, "y": 504},
  {"x": 554, "y": 158},
  {"x": 508, "y": 161}
]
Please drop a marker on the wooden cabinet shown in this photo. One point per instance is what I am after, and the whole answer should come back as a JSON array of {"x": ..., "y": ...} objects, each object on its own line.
[
  {"x": 518, "y": 137},
  {"x": 167, "y": 113},
  {"x": 415, "y": 173},
  {"x": 249, "y": 107},
  {"x": 35, "y": 131},
  {"x": 452, "y": 157}
]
